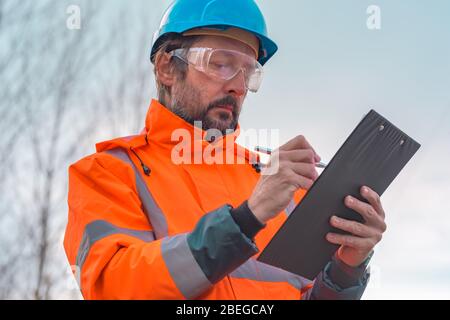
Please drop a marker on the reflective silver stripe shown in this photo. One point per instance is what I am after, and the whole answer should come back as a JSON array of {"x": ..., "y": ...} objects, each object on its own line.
[
  {"x": 258, "y": 271},
  {"x": 183, "y": 268},
  {"x": 290, "y": 207},
  {"x": 151, "y": 209},
  {"x": 100, "y": 229}
]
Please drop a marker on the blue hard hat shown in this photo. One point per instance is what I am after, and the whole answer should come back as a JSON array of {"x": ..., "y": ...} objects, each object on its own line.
[{"x": 184, "y": 15}]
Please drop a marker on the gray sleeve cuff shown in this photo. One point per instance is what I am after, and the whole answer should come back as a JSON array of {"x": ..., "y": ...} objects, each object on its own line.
[
  {"x": 325, "y": 289},
  {"x": 346, "y": 276}
]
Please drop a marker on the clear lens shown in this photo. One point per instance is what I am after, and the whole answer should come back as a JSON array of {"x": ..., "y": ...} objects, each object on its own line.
[
  {"x": 254, "y": 80},
  {"x": 225, "y": 64}
]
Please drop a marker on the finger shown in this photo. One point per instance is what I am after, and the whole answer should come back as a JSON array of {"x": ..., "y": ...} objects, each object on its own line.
[
  {"x": 368, "y": 212},
  {"x": 307, "y": 170},
  {"x": 374, "y": 200},
  {"x": 299, "y": 142},
  {"x": 304, "y": 155},
  {"x": 300, "y": 181},
  {"x": 353, "y": 227},
  {"x": 351, "y": 241}
]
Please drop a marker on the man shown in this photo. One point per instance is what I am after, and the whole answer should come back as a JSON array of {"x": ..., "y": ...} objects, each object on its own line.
[{"x": 147, "y": 220}]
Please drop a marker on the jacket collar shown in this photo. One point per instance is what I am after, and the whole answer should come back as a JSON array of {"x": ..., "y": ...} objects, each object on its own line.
[{"x": 164, "y": 128}]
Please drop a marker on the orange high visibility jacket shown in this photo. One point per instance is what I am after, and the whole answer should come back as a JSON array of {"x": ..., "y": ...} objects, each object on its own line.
[{"x": 143, "y": 226}]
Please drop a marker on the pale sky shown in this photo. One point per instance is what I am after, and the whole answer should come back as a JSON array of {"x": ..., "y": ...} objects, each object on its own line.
[{"x": 330, "y": 70}]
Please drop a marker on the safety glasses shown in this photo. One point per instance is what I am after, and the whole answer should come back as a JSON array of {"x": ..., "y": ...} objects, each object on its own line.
[{"x": 223, "y": 64}]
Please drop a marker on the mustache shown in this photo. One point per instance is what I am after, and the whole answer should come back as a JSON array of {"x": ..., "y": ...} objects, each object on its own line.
[{"x": 224, "y": 101}]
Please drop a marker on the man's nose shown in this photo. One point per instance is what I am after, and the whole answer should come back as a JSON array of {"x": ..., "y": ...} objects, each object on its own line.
[{"x": 236, "y": 85}]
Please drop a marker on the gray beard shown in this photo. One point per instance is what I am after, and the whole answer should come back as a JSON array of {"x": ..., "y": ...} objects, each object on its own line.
[
  {"x": 187, "y": 92},
  {"x": 206, "y": 121}
]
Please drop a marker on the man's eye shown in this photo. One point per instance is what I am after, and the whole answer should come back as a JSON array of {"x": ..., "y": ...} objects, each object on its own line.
[{"x": 218, "y": 65}]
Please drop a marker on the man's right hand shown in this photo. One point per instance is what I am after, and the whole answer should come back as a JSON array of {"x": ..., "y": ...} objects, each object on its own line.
[{"x": 294, "y": 168}]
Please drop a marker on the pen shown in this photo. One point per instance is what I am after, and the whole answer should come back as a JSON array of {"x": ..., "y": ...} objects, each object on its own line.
[{"x": 320, "y": 164}]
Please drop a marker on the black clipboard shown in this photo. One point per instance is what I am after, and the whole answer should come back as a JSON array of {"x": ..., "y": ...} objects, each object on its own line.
[{"x": 373, "y": 155}]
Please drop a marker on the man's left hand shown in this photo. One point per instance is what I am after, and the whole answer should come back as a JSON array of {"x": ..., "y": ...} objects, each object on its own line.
[{"x": 356, "y": 246}]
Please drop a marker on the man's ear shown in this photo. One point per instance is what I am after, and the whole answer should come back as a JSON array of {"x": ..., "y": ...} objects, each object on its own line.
[{"x": 165, "y": 70}]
